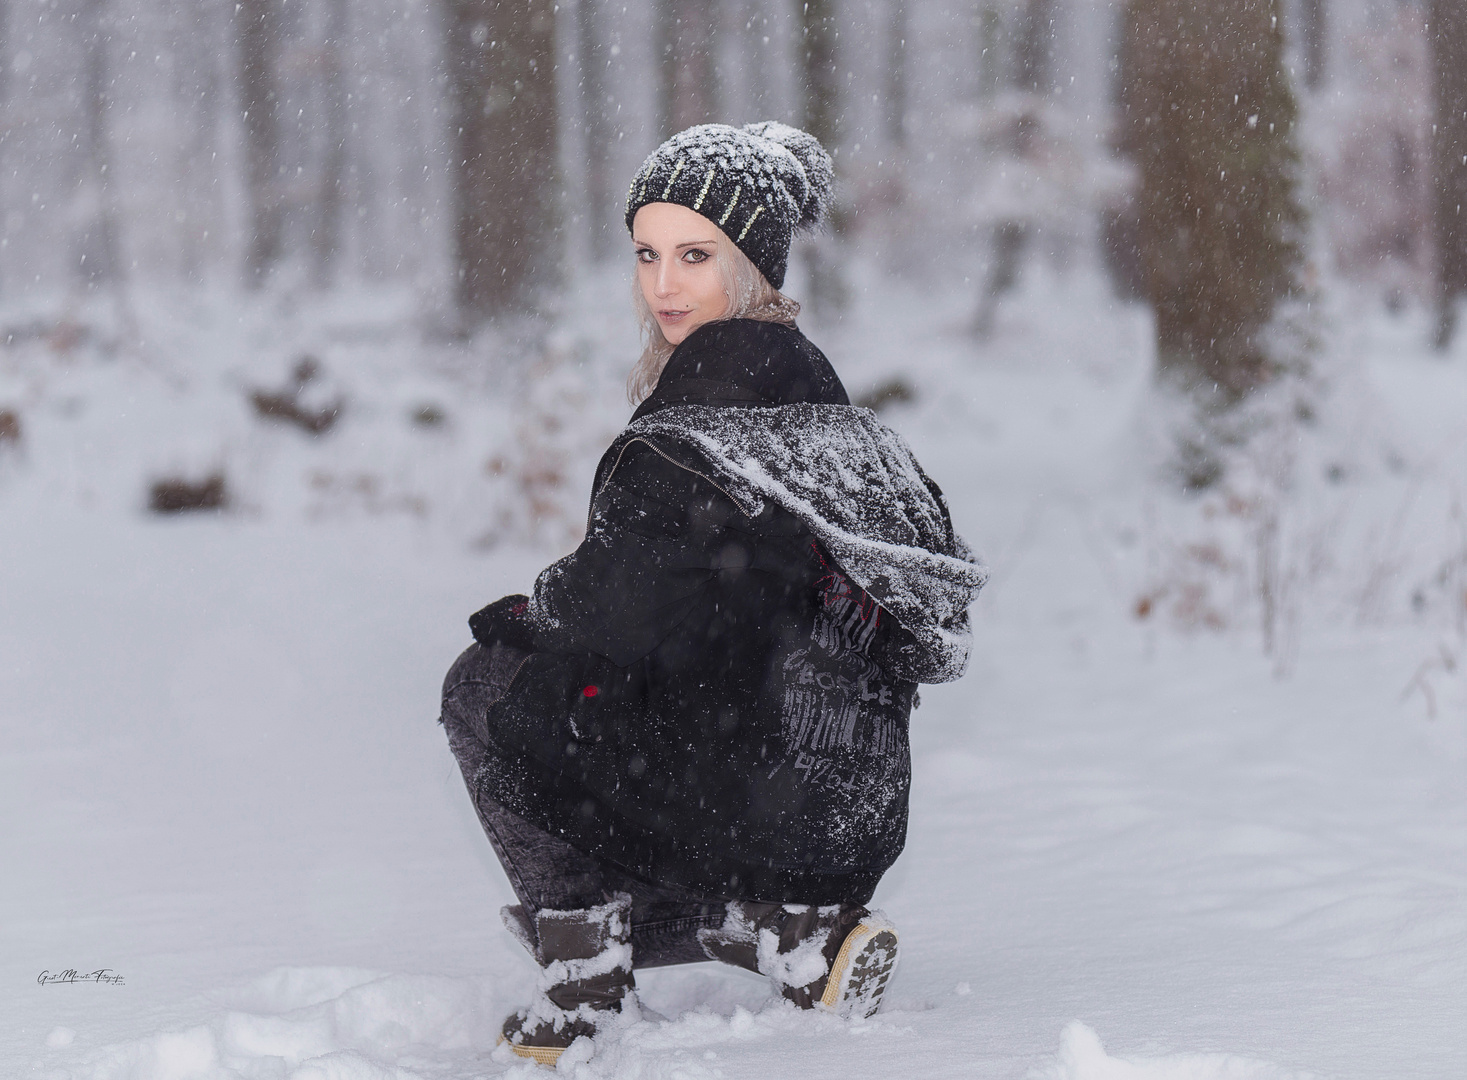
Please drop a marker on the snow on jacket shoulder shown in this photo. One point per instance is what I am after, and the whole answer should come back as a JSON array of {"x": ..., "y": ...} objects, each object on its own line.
[{"x": 855, "y": 484}]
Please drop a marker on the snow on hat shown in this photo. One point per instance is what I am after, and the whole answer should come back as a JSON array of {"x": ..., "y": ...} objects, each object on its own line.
[{"x": 760, "y": 184}]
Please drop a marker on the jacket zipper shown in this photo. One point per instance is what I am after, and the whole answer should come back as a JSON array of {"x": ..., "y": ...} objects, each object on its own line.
[{"x": 503, "y": 693}]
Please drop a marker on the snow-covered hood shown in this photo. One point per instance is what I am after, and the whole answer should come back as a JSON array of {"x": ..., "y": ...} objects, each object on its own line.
[{"x": 855, "y": 484}]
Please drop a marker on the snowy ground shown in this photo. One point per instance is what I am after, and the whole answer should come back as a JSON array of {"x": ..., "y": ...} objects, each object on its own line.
[{"x": 222, "y": 780}]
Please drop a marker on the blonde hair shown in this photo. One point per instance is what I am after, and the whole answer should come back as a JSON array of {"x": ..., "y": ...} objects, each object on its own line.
[{"x": 750, "y": 297}]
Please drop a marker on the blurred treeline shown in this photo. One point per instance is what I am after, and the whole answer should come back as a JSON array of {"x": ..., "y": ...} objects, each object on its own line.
[{"x": 1214, "y": 156}]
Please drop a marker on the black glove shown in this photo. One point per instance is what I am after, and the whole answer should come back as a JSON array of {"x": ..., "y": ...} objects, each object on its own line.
[{"x": 504, "y": 622}]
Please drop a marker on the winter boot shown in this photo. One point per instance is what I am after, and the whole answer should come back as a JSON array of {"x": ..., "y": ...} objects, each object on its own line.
[
  {"x": 586, "y": 976},
  {"x": 839, "y": 958}
]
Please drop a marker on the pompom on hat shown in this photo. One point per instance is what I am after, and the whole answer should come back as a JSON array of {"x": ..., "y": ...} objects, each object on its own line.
[{"x": 760, "y": 184}]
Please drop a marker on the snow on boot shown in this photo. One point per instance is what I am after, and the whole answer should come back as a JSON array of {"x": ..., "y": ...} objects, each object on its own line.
[
  {"x": 838, "y": 957},
  {"x": 585, "y": 979}
]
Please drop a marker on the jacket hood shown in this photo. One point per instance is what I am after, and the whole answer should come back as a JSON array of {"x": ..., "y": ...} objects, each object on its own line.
[{"x": 856, "y": 485}]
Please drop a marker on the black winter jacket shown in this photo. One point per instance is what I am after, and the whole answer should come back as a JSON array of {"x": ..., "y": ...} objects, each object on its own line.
[{"x": 710, "y": 700}]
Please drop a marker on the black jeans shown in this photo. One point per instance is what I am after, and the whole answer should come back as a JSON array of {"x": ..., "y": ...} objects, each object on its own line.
[{"x": 544, "y": 871}]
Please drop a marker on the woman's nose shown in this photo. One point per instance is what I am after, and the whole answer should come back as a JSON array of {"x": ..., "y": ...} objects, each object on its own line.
[{"x": 666, "y": 284}]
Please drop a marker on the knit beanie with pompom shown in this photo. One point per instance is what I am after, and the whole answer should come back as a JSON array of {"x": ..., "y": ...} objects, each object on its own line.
[{"x": 760, "y": 184}]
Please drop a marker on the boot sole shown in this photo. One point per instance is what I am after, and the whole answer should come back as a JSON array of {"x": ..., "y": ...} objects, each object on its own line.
[
  {"x": 861, "y": 970},
  {"x": 540, "y": 1055}
]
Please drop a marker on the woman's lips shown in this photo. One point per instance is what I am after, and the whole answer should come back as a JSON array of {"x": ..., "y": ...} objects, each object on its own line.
[{"x": 671, "y": 316}]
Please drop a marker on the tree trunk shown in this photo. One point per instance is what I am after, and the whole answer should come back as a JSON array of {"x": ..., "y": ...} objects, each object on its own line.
[
  {"x": 819, "y": 79},
  {"x": 1006, "y": 245},
  {"x": 1209, "y": 118},
  {"x": 7, "y": 121},
  {"x": 597, "y": 130},
  {"x": 257, "y": 35},
  {"x": 326, "y": 239},
  {"x": 759, "y": 66},
  {"x": 501, "y": 56},
  {"x": 99, "y": 260},
  {"x": 1447, "y": 23},
  {"x": 1034, "y": 47},
  {"x": 820, "y": 94},
  {"x": 195, "y": 49},
  {"x": 1312, "y": 29},
  {"x": 689, "y": 63},
  {"x": 988, "y": 29},
  {"x": 896, "y": 75}
]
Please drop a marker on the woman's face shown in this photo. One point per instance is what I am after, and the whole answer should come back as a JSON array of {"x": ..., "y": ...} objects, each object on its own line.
[{"x": 677, "y": 268}]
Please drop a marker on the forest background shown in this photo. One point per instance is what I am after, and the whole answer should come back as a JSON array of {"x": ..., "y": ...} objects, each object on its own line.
[{"x": 1218, "y": 161}]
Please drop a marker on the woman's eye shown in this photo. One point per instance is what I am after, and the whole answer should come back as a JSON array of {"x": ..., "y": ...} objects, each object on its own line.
[
  {"x": 697, "y": 256},
  {"x": 646, "y": 255}
]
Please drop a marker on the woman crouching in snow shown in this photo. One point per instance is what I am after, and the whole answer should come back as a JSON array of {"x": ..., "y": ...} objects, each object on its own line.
[{"x": 690, "y": 742}]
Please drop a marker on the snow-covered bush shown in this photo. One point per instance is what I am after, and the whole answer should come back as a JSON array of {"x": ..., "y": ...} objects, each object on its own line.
[{"x": 317, "y": 408}]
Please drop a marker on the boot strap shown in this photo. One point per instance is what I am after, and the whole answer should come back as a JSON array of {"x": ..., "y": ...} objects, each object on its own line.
[{"x": 599, "y": 991}]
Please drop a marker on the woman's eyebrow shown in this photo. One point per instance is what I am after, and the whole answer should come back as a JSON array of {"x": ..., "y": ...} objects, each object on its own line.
[{"x": 684, "y": 244}]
